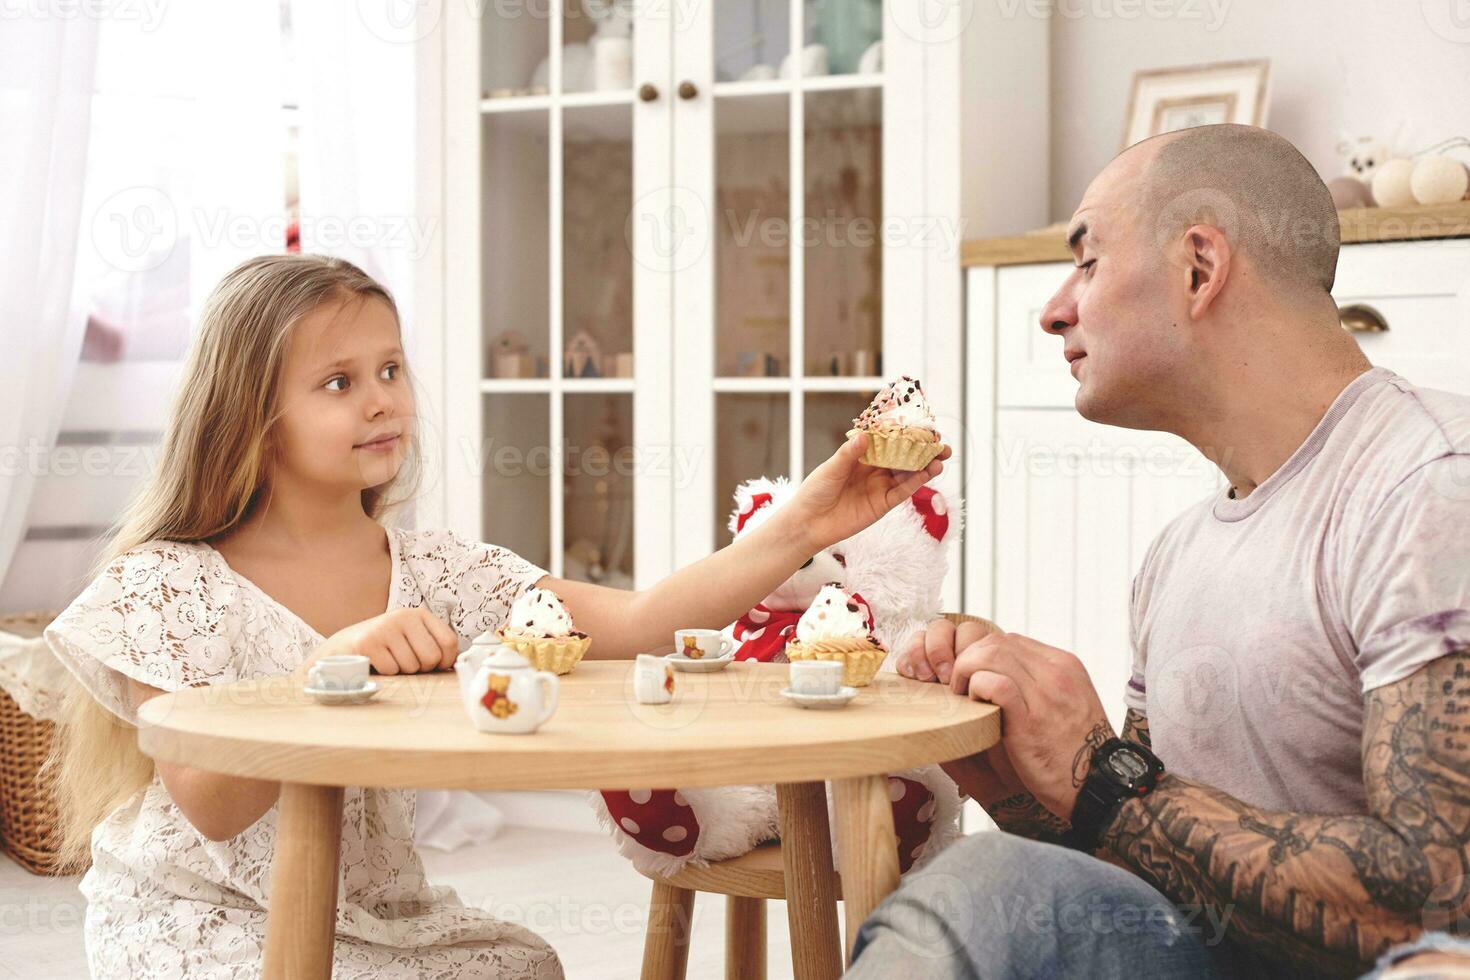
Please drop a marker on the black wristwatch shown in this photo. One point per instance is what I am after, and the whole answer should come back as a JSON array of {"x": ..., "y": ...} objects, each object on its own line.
[{"x": 1120, "y": 770}]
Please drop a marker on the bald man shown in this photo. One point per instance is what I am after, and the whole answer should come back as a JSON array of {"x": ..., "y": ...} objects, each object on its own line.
[{"x": 1291, "y": 790}]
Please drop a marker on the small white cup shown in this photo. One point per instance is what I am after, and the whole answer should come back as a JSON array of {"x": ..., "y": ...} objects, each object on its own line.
[
  {"x": 653, "y": 680},
  {"x": 816, "y": 676},
  {"x": 345, "y": 672},
  {"x": 702, "y": 644}
]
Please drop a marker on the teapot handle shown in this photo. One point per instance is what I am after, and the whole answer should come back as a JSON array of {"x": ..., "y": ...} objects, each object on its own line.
[{"x": 553, "y": 683}]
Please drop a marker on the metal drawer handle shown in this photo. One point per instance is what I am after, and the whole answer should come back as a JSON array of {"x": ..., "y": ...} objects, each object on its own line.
[
  {"x": 1361, "y": 318},
  {"x": 688, "y": 90},
  {"x": 647, "y": 92}
]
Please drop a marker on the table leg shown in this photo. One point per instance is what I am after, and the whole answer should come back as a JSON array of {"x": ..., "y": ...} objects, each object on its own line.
[
  {"x": 811, "y": 897},
  {"x": 302, "y": 918},
  {"x": 867, "y": 848}
]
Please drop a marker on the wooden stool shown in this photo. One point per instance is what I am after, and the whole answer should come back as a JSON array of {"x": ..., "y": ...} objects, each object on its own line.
[{"x": 747, "y": 881}]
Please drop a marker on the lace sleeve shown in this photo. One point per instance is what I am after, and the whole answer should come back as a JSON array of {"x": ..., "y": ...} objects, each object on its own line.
[
  {"x": 469, "y": 584},
  {"x": 153, "y": 615}
]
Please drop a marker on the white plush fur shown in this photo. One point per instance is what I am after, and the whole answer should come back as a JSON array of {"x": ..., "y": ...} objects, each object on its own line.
[{"x": 899, "y": 569}]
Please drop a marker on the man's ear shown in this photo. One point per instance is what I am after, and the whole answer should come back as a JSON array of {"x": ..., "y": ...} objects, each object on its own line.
[{"x": 1207, "y": 260}]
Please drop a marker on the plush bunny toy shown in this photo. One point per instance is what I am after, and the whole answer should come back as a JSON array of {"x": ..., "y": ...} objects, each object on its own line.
[{"x": 896, "y": 567}]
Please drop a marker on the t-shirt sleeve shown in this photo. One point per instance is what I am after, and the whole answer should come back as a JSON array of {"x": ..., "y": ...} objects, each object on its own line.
[
  {"x": 1135, "y": 696},
  {"x": 1406, "y": 582},
  {"x": 473, "y": 583},
  {"x": 149, "y": 616}
]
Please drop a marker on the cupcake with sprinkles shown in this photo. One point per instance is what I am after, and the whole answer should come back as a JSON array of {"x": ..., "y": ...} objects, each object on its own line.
[
  {"x": 900, "y": 428},
  {"x": 839, "y": 626},
  {"x": 540, "y": 629}
]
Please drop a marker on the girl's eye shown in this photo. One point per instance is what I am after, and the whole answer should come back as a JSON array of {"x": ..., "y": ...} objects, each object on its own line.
[
  {"x": 341, "y": 378},
  {"x": 393, "y": 368}
]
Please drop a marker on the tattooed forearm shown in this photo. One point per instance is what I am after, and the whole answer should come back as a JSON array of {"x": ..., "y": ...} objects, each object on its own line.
[
  {"x": 1082, "y": 761},
  {"x": 1022, "y": 815},
  {"x": 1326, "y": 892},
  {"x": 1135, "y": 729}
]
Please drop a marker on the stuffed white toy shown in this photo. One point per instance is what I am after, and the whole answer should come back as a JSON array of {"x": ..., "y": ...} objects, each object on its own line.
[{"x": 896, "y": 567}]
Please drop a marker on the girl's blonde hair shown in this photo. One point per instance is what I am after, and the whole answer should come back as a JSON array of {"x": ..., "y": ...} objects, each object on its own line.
[{"x": 214, "y": 466}]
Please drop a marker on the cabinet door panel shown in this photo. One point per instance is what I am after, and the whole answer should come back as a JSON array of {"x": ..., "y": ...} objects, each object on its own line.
[{"x": 1076, "y": 507}]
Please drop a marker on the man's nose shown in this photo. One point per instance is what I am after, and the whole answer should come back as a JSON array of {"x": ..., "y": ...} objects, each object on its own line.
[{"x": 1060, "y": 312}]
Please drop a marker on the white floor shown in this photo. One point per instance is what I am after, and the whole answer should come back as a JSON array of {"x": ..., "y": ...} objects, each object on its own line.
[{"x": 572, "y": 888}]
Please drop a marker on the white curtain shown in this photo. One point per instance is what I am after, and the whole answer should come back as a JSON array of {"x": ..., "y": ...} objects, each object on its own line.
[{"x": 46, "y": 69}]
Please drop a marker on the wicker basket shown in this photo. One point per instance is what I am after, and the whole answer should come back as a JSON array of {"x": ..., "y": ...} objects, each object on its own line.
[{"x": 28, "y": 819}]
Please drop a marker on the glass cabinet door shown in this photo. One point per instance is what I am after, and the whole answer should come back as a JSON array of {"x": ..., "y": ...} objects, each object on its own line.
[
  {"x": 559, "y": 113},
  {"x": 782, "y": 316}
]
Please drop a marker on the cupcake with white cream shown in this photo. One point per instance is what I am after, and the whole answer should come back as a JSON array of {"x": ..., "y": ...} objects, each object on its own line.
[
  {"x": 901, "y": 431},
  {"x": 540, "y": 629},
  {"x": 838, "y": 626}
]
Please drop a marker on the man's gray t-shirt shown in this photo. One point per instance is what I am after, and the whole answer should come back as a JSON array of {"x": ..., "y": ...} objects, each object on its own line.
[{"x": 1259, "y": 624}]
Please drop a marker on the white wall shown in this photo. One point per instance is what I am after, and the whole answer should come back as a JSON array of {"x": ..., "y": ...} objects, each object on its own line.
[{"x": 1358, "y": 65}]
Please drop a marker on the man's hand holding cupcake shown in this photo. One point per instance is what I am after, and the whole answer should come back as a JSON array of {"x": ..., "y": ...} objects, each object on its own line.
[{"x": 850, "y": 491}]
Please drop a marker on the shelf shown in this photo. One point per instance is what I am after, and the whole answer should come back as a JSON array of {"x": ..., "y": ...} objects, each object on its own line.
[
  {"x": 567, "y": 100},
  {"x": 1359, "y": 225},
  {"x": 569, "y": 386},
  {"x": 784, "y": 86}
]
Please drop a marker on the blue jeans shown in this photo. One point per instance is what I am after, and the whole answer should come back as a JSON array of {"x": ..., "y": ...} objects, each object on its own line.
[{"x": 995, "y": 905}]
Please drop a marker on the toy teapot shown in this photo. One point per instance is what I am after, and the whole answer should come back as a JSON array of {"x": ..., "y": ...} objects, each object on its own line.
[{"x": 500, "y": 690}]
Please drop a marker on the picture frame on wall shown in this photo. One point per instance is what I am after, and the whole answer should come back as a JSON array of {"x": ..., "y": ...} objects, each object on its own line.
[{"x": 1163, "y": 100}]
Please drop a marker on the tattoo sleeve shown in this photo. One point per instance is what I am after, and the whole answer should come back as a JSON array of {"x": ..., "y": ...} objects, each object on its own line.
[{"x": 1329, "y": 893}]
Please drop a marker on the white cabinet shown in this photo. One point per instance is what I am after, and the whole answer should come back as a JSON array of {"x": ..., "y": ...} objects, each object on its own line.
[
  {"x": 1063, "y": 509},
  {"x": 655, "y": 290}
]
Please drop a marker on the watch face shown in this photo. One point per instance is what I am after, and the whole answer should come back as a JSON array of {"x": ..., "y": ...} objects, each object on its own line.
[{"x": 1127, "y": 765}]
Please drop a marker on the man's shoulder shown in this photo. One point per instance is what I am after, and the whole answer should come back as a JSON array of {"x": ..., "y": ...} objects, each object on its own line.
[{"x": 1404, "y": 428}]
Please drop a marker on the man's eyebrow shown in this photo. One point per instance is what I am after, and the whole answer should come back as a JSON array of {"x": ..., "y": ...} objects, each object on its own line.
[
  {"x": 1076, "y": 235},
  {"x": 343, "y": 362}
]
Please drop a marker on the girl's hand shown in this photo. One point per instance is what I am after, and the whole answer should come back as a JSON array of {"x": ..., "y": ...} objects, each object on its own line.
[
  {"x": 404, "y": 641},
  {"x": 843, "y": 495}
]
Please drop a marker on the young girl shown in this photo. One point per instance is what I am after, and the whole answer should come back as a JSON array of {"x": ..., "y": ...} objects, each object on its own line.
[{"x": 257, "y": 545}]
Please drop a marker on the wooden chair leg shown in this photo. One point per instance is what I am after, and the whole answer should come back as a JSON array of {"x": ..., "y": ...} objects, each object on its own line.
[
  {"x": 745, "y": 938},
  {"x": 670, "y": 921}
]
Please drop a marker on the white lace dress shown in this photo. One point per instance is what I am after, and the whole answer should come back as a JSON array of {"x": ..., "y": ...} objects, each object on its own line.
[{"x": 163, "y": 901}]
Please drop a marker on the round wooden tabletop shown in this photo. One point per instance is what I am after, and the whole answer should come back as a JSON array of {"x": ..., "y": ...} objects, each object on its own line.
[{"x": 725, "y": 728}]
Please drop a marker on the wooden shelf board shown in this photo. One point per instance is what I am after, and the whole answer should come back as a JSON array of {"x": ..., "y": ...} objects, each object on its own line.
[{"x": 1359, "y": 226}]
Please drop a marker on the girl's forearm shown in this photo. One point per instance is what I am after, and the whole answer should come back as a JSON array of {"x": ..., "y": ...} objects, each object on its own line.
[{"x": 715, "y": 591}]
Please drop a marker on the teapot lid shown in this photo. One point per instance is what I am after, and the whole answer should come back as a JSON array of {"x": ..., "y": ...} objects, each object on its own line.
[{"x": 502, "y": 657}]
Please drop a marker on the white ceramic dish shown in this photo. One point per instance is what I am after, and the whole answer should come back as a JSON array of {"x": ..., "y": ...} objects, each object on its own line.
[
  {"x": 705, "y": 665},
  {"x": 355, "y": 696},
  {"x": 820, "y": 701}
]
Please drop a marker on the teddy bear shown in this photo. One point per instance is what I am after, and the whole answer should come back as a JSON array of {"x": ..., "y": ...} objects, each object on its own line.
[{"x": 896, "y": 568}]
